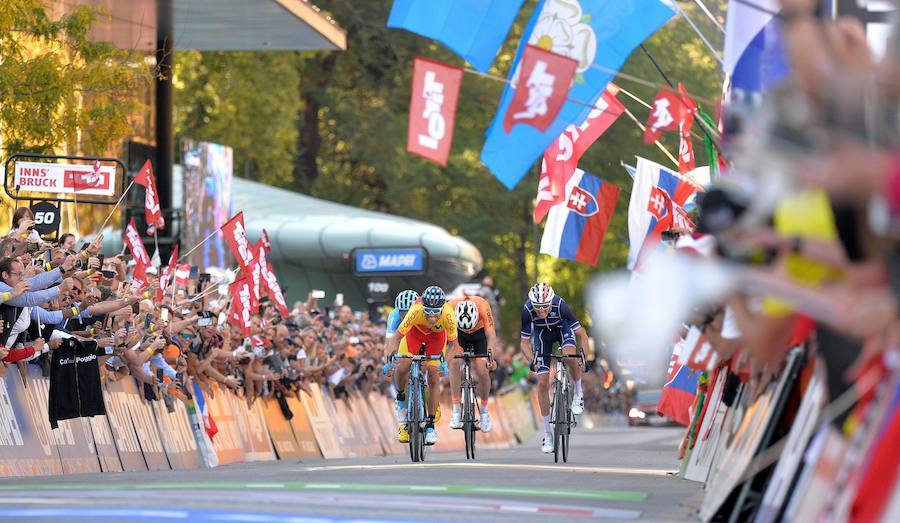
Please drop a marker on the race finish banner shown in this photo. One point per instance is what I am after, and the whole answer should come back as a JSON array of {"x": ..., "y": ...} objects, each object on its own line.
[
  {"x": 400, "y": 261},
  {"x": 65, "y": 178}
]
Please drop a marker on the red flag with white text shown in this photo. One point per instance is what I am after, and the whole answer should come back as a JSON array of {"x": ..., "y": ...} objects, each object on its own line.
[
  {"x": 135, "y": 245},
  {"x": 152, "y": 210},
  {"x": 265, "y": 240},
  {"x": 236, "y": 236},
  {"x": 139, "y": 275},
  {"x": 274, "y": 290},
  {"x": 544, "y": 80},
  {"x": 240, "y": 304},
  {"x": 686, "y": 161},
  {"x": 432, "y": 109},
  {"x": 165, "y": 275},
  {"x": 561, "y": 158}
]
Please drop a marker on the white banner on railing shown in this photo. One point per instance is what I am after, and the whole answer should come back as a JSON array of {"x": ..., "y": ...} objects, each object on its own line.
[{"x": 65, "y": 178}]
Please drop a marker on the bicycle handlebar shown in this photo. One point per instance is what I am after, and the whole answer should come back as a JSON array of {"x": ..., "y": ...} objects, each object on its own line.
[
  {"x": 471, "y": 356},
  {"x": 417, "y": 357}
]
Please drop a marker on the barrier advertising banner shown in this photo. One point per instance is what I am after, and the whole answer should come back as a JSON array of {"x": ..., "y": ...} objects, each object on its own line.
[
  {"x": 302, "y": 426},
  {"x": 137, "y": 415},
  {"x": 26, "y": 448},
  {"x": 286, "y": 445},
  {"x": 177, "y": 438},
  {"x": 322, "y": 425}
]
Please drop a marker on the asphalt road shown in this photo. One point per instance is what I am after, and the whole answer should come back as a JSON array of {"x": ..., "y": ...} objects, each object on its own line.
[{"x": 615, "y": 473}]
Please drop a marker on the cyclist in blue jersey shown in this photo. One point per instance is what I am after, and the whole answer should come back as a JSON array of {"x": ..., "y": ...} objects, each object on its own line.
[
  {"x": 547, "y": 320},
  {"x": 402, "y": 304}
]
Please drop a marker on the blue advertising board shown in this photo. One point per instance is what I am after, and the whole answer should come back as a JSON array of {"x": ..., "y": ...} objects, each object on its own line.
[{"x": 412, "y": 260}]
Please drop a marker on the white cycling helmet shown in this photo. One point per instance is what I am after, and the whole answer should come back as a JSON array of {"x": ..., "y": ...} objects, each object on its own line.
[
  {"x": 541, "y": 294},
  {"x": 406, "y": 299},
  {"x": 466, "y": 315}
]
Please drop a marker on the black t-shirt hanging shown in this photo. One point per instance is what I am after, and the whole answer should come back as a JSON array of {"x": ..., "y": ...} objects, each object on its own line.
[{"x": 75, "y": 382}]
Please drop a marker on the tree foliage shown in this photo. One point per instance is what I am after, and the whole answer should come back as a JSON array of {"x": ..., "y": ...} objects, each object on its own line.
[
  {"x": 350, "y": 113},
  {"x": 59, "y": 87}
]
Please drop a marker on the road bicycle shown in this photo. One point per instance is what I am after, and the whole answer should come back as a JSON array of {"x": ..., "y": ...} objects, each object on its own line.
[
  {"x": 417, "y": 409},
  {"x": 561, "y": 416},
  {"x": 470, "y": 400}
]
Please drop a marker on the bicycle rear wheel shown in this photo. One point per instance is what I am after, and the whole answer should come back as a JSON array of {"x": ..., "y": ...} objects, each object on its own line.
[{"x": 568, "y": 427}]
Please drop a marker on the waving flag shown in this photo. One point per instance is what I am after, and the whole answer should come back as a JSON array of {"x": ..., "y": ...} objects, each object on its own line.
[
  {"x": 680, "y": 388},
  {"x": 236, "y": 236},
  {"x": 754, "y": 51},
  {"x": 575, "y": 228},
  {"x": 473, "y": 29},
  {"x": 432, "y": 109},
  {"x": 274, "y": 290},
  {"x": 166, "y": 274},
  {"x": 656, "y": 205},
  {"x": 240, "y": 304},
  {"x": 182, "y": 274},
  {"x": 543, "y": 83},
  {"x": 561, "y": 158},
  {"x": 152, "y": 211},
  {"x": 599, "y": 33},
  {"x": 265, "y": 240},
  {"x": 135, "y": 244}
]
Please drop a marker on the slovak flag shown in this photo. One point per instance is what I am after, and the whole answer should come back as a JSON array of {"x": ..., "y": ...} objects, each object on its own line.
[
  {"x": 575, "y": 228},
  {"x": 679, "y": 390},
  {"x": 657, "y": 204}
]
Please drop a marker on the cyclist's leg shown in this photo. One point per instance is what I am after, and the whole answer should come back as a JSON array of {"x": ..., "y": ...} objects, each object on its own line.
[
  {"x": 574, "y": 368},
  {"x": 434, "y": 346},
  {"x": 456, "y": 372},
  {"x": 542, "y": 341},
  {"x": 479, "y": 367},
  {"x": 401, "y": 375}
]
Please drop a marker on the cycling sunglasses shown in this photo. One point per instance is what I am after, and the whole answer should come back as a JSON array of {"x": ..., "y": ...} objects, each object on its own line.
[
  {"x": 433, "y": 310},
  {"x": 542, "y": 307}
]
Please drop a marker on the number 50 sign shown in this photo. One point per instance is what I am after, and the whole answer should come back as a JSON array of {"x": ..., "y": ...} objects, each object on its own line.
[{"x": 46, "y": 218}]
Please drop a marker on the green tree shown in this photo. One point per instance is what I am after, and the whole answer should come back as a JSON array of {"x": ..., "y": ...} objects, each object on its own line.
[
  {"x": 60, "y": 88},
  {"x": 245, "y": 100}
]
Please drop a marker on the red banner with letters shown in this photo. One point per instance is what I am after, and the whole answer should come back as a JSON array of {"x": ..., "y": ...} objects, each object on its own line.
[
  {"x": 152, "y": 211},
  {"x": 432, "y": 109},
  {"x": 274, "y": 290},
  {"x": 265, "y": 240},
  {"x": 544, "y": 81},
  {"x": 236, "y": 236},
  {"x": 686, "y": 161},
  {"x": 240, "y": 304},
  {"x": 135, "y": 245}
]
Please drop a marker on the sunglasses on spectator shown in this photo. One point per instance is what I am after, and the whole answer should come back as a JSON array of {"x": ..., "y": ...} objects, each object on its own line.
[{"x": 434, "y": 311}]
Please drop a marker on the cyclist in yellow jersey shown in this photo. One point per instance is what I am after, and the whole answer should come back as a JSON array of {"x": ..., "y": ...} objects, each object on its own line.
[{"x": 433, "y": 323}]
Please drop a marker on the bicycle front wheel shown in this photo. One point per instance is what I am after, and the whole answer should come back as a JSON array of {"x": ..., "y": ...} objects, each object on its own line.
[
  {"x": 559, "y": 421},
  {"x": 469, "y": 423},
  {"x": 413, "y": 425}
]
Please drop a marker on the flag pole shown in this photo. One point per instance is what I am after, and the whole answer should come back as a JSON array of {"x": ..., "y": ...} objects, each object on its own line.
[
  {"x": 699, "y": 34},
  {"x": 116, "y": 206},
  {"x": 195, "y": 247}
]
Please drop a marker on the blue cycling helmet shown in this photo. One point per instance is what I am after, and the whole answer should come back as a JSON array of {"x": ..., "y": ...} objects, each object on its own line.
[
  {"x": 406, "y": 299},
  {"x": 434, "y": 297}
]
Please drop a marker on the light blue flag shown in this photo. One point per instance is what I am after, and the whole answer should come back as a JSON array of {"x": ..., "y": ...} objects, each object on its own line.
[
  {"x": 593, "y": 32},
  {"x": 473, "y": 29}
]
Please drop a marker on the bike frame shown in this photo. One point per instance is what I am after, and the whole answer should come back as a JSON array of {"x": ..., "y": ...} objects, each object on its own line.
[
  {"x": 469, "y": 399},
  {"x": 416, "y": 398}
]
